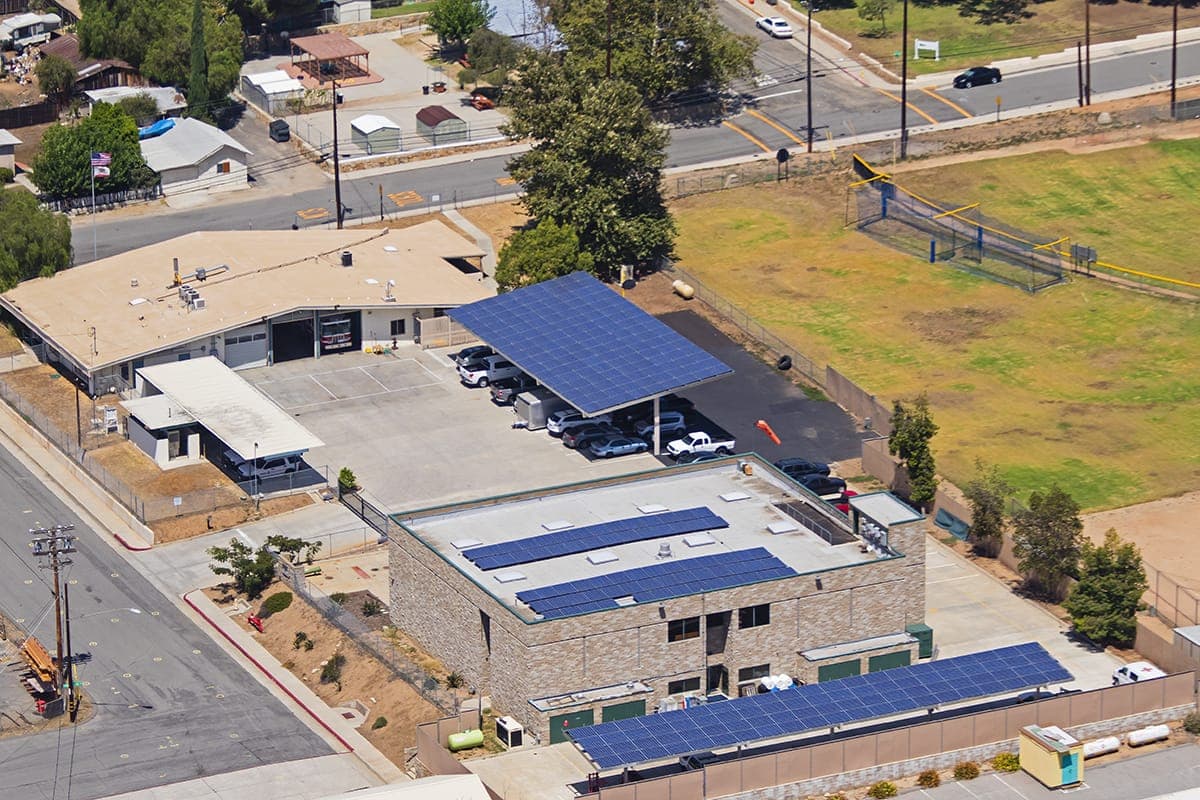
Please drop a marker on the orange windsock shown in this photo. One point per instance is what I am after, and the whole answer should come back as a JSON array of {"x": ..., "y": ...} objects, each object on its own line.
[{"x": 765, "y": 428}]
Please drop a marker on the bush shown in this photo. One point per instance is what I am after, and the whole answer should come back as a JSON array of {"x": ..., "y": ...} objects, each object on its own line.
[
  {"x": 966, "y": 771},
  {"x": 300, "y": 640},
  {"x": 929, "y": 779},
  {"x": 275, "y": 603},
  {"x": 332, "y": 671},
  {"x": 1006, "y": 762},
  {"x": 6, "y": 175},
  {"x": 347, "y": 480},
  {"x": 1191, "y": 723},
  {"x": 371, "y": 607},
  {"x": 465, "y": 76},
  {"x": 883, "y": 789},
  {"x": 338, "y": 597},
  {"x": 378, "y": 723}
]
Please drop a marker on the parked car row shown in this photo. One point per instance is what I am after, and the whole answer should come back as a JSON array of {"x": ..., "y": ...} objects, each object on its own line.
[{"x": 814, "y": 476}]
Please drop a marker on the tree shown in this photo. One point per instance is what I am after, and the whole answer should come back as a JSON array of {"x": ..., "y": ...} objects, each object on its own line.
[
  {"x": 197, "y": 95},
  {"x": 1047, "y": 539},
  {"x": 595, "y": 165},
  {"x": 252, "y": 569},
  {"x": 991, "y": 12},
  {"x": 455, "y": 20},
  {"x": 141, "y": 107},
  {"x": 62, "y": 167},
  {"x": 876, "y": 10},
  {"x": 545, "y": 251},
  {"x": 1104, "y": 603},
  {"x": 663, "y": 47},
  {"x": 34, "y": 241},
  {"x": 56, "y": 77},
  {"x": 988, "y": 495},
  {"x": 493, "y": 54},
  {"x": 912, "y": 431}
]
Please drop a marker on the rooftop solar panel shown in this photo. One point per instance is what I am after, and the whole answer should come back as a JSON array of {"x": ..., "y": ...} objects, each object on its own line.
[
  {"x": 658, "y": 582},
  {"x": 594, "y": 537},
  {"x": 589, "y": 345},
  {"x": 817, "y": 706}
]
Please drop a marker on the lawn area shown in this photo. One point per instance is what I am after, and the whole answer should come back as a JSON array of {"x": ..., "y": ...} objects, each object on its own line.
[
  {"x": 405, "y": 8},
  {"x": 1087, "y": 385},
  {"x": 1055, "y": 26}
]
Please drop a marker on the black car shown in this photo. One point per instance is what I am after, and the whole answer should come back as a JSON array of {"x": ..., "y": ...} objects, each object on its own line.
[
  {"x": 505, "y": 391},
  {"x": 821, "y": 484},
  {"x": 580, "y": 437},
  {"x": 977, "y": 76},
  {"x": 476, "y": 353},
  {"x": 795, "y": 467}
]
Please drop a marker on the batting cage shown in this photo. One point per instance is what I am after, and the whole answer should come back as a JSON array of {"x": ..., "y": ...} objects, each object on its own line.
[{"x": 955, "y": 234}]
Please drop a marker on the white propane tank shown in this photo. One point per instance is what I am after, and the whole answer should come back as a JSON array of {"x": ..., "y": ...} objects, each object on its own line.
[
  {"x": 1152, "y": 733},
  {"x": 684, "y": 290},
  {"x": 1098, "y": 747}
]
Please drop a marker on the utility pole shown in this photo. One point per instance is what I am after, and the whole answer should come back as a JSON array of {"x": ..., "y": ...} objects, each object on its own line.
[
  {"x": 337, "y": 173},
  {"x": 73, "y": 704},
  {"x": 1174, "y": 52},
  {"x": 808, "y": 77},
  {"x": 904, "y": 85},
  {"x": 54, "y": 543},
  {"x": 1087, "y": 52}
]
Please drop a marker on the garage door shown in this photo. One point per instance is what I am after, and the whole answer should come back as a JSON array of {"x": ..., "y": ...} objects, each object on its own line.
[
  {"x": 292, "y": 340},
  {"x": 246, "y": 347},
  {"x": 889, "y": 661},
  {"x": 564, "y": 722},
  {"x": 634, "y": 708},
  {"x": 842, "y": 669}
]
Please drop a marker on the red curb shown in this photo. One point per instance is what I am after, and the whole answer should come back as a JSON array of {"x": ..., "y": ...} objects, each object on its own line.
[
  {"x": 129, "y": 546},
  {"x": 266, "y": 672}
]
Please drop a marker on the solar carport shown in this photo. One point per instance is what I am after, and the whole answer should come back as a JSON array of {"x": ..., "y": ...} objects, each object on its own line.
[{"x": 590, "y": 346}]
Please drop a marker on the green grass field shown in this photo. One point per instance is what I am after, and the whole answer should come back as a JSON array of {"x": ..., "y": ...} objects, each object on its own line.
[
  {"x": 1087, "y": 385},
  {"x": 1055, "y": 26}
]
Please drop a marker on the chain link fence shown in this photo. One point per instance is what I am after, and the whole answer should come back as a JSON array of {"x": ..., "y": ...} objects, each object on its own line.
[{"x": 1175, "y": 604}]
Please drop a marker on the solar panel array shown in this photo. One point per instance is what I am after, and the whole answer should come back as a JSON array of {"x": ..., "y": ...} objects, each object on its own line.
[
  {"x": 672, "y": 578},
  {"x": 589, "y": 345},
  {"x": 821, "y": 705},
  {"x": 594, "y": 537}
]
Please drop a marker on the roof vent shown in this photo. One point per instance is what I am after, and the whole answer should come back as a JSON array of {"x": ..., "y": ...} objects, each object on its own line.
[{"x": 664, "y": 550}]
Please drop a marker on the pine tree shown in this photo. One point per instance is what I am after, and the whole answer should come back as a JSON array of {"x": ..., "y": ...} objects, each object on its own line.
[
  {"x": 1047, "y": 541},
  {"x": 197, "y": 93},
  {"x": 913, "y": 429}
]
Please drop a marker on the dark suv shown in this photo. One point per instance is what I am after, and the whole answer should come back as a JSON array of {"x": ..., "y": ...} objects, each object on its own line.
[
  {"x": 504, "y": 391},
  {"x": 795, "y": 467}
]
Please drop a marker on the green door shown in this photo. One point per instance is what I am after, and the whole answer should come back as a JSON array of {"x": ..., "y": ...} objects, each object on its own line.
[
  {"x": 634, "y": 708},
  {"x": 842, "y": 669},
  {"x": 565, "y": 722},
  {"x": 889, "y": 661}
]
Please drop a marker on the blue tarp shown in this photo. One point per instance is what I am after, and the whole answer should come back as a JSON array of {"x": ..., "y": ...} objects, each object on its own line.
[{"x": 157, "y": 129}]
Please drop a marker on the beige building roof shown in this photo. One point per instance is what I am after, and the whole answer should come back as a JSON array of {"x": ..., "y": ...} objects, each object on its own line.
[{"x": 125, "y": 307}]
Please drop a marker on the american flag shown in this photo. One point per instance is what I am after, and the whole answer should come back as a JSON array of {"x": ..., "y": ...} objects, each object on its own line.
[{"x": 101, "y": 159}]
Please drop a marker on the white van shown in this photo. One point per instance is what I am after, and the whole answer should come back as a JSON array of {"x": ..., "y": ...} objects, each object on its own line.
[{"x": 1136, "y": 672}]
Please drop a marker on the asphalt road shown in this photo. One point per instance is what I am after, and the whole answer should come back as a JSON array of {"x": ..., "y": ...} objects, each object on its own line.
[{"x": 170, "y": 704}]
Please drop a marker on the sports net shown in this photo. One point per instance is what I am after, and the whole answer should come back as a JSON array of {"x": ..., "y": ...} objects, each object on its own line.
[{"x": 958, "y": 235}]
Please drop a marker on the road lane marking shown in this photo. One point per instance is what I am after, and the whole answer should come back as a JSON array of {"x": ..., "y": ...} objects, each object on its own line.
[
  {"x": 506, "y": 181},
  {"x": 312, "y": 213},
  {"x": 933, "y": 93},
  {"x": 886, "y": 93},
  {"x": 405, "y": 198},
  {"x": 747, "y": 134},
  {"x": 775, "y": 125}
]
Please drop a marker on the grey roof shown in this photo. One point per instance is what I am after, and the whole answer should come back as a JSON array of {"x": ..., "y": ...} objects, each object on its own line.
[
  {"x": 1191, "y": 633},
  {"x": 188, "y": 143},
  {"x": 8, "y": 138},
  {"x": 166, "y": 98},
  {"x": 885, "y": 508}
]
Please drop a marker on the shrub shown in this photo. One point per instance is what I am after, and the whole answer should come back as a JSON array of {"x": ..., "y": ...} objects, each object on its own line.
[
  {"x": 455, "y": 680},
  {"x": 1191, "y": 723},
  {"x": 1006, "y": 762},
  {"x": 338, "y": 597},
  {"x": 929, "y": 779},
  {"x": 300, "y": 640},
  {"x": 838, "y": 796},
  {"x": 332, "y": 671},
  {"x": 883, "y": 789},
  {"x": 308, "y": 645},
  {"x": 378, "y": 723},
  {"x": 6, "y": 175},
  {"x": 275, "y": 603},
  {"x": 347, "y": 481},
  {"x": 966, "y": 770},
  {"x": 465, "y": 76},
  {"x": 371, "y": 607}
]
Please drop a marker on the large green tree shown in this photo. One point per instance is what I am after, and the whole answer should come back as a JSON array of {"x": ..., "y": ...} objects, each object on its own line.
[
  {"x": 56, "y": 77},
  {"x": 913, "y": 429},
  {"x": 197, "y": 95},
  {"x": 876, "y": 11},
  {"x": 662, "y": 47},
  {"x": 595, "y": 165},
  {"x": 991, "y": 12},
  {"x": 988, "y": 495},
  {"x": 62, "y": 167},
  {"x": 547, "y": 250},
  {"x": 1104, "y": 603},
  {"x": 455, "y": 20},
  {"x": 1047, "y": 540},
  {"x": 33, "y": 241},
  {"x": 253, "y": 569}
]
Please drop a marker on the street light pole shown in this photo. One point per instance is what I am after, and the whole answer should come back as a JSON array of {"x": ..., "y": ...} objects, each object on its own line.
[
  {"x": 337, "y": 173},
  {"x": 1087, "y": 52},
  {"x": 257, "y": 487},
  {"x": 904, "y": 85},
  {"x": 808, "y": 77},
  {"x": 1174, "y": 52}
]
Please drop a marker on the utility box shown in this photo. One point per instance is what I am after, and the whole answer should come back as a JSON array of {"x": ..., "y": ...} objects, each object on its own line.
[
  {"x": 1051, "y": 755},
  {"x": 510, "y": 732},
  {"x": 924, "y": 636}
]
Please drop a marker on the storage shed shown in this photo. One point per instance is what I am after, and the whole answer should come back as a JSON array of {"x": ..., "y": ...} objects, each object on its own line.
[
  {"x": 271, "y": 91},
  {"x": 440, "y": 125},
  {"x": 1051, "y": 755},
  {"x": 375, "y": 134}
]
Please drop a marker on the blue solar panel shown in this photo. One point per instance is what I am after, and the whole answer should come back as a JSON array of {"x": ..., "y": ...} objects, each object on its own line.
[
  {"x": 589, "y": 345},
  {"x": 594, "y": 537},
  {"x": 821, "y": 705},
  {"x": 658, "y": 582}
]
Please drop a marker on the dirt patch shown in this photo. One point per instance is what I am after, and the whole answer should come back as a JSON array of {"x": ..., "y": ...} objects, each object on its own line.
[
  {"x": 498, "y": 220},
  {"x": 362, "y": 677},
  {"x": 54, "y": 398},
  {"x": 1163, "y": 530},
  {"x": 187, "y": 526},
  {"x": 955, "y": 326}
]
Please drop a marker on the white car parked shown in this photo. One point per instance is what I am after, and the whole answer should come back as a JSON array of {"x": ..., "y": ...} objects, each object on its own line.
[
  {"x": 776, "y": 26},
  {"x": 569, "y": 418}
]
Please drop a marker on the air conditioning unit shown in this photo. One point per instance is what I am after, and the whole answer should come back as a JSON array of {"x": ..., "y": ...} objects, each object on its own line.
[
  {"x": 198, "y": 303},
  {"x": 510, "y": 732},
  {"x": 184, "y": 290}
]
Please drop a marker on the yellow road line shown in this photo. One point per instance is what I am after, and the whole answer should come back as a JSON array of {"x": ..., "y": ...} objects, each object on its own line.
[
  {"x": 747, "y": 134},
  {"x": 932, "y": 121},
  {"x": 775, "y": 125},
  {"x": 312, "y": 213},
  {"x": 506, "y": 181},
  {"x": 405, "y": 198},
  {"x": 932, "y": 93}
]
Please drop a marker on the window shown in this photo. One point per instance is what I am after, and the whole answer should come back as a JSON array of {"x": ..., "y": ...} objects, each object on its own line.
[
  {"x": 680, "y": 629},
  {"x": 398, "y": 327},
  {"x": 223, "y": 168},
  {"x": 683, "y": 686},
  {"x": 747, "y": 674},
  {"x": 753, "y": 616}
]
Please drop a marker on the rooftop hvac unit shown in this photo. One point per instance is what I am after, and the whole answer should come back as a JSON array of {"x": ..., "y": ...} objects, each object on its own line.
[
  {"x": 510, "y": 732},
  {"x": 198, "y": 303},
  {"x": 184, "y": 290},
  {"x": 664, "y": 550}
]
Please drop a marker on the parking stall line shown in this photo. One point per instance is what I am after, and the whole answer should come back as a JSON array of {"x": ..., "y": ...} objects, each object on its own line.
[
  {"x": 432, "y": 374},
  {"x": 382, "y": 385},
  {"x": 313, "y": 378},
  {"x": 1011, "y": 788}
]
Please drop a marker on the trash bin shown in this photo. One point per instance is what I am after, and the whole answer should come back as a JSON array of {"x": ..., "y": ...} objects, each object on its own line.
[{"x": 425, "y": 89}]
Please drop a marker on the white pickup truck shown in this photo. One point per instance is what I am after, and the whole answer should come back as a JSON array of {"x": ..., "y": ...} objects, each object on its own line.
[{"x": 702, "y": 442}]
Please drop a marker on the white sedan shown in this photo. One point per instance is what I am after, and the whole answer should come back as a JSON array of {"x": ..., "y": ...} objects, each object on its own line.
[{"x": 776, "y": 26}]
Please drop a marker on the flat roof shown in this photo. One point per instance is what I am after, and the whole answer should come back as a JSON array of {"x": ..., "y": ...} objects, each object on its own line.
[
  {"x": 128, "y": 303},
  {"x": 1190, "y": 632},
  {"x": 234, "y": 411},
  {"x": 885, "y": 508},
  {"x": 748, "y": 503},
  {"x": 587, "y": 344},
  {"x": 328, "y": 46},
  {"x": 860, "y": 646},
  {"x": 158, "y": 412}
]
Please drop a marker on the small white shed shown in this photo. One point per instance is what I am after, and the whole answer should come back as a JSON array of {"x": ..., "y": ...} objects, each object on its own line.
[
  {"x": 271, "y": 91},
  {"x": 375, "y": 134}
]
